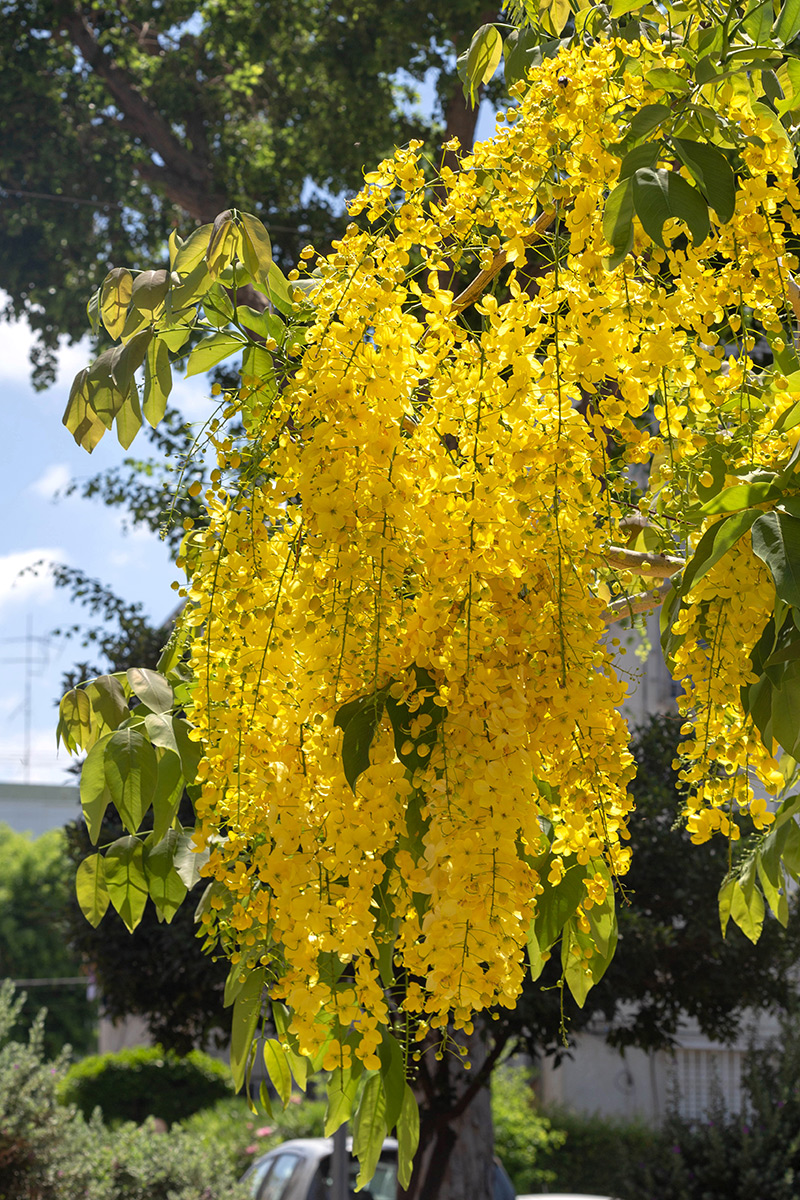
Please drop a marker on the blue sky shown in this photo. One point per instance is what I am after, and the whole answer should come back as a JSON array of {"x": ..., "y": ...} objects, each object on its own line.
[{"x": 40, "y": 458}]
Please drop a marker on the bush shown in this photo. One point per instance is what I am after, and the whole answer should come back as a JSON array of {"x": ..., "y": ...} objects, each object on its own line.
[
  {"x": 48, "y": 1151},
  {"x": 521, "y": 1135},
  {"x": 238, "y": 1136},
  {"x": 602, "y": 1156},
  {"x": 134, "y": 1084}
]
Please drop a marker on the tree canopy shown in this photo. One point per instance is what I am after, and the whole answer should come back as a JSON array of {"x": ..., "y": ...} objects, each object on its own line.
[
  {"x": 513, "y": 405},
  {"x": 122, "y": 121}
]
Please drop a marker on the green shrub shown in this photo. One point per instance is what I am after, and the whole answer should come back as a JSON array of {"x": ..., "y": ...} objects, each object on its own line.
[
  {"x": 602, "y": 1156},
  {"x": 49, "y": 1152},
  {"x": 239, "y": 1137},
  {"x": 521, "y": 1135},
  {"x": 134, "y": 1084}
]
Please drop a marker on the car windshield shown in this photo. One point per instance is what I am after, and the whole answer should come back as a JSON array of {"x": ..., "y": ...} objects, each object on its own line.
[{"x": 382, "y": 1186}]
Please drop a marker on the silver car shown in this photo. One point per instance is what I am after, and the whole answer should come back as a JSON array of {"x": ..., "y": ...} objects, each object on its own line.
[{"x": 301, "y": 1170}]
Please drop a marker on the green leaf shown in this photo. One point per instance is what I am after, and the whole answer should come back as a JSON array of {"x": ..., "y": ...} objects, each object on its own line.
[
  {"x": 369, "y": 1129},
  {"x": 557, "y": 905},
  {"x": 127, "y": 363},
  {"x": 125, "y": 879},
  {"x": 619, "y": 8},
  {"x": 107, "y": 698},
  {"x": 757, "y": 20},
  {"x": 776, "y": 541},
  {"x": 256, "y": 250},
  {"x": 157, "y": 381},
  {"x": 278, "y": 1070},
  {"x": 262, "y": 324},
  {"x": 577, "y": 975},
  {"x": 149, "y": 291},
  {"x": 785, "y": 709},
  {"x": 648, "y": 118},
  {"x": 774, "y": 886},
  {"x": 167, "y": 889},
  {"x": 129, "y": 418},
  {"x": 91, "y": 890},
  {"x": 521, "y": 51},
  {"x": 75, "y": 725},
  {"x": 151, "y": 688},
  {"x": 95, "y": 795},
  {"x": 79, "y": 416},
  {"x": 246, "y": 1012},
  {"x": 168, "y": 791},
  {"x": 190, "y": 751},
  {"x": 787, "y": 26},
  {"x": 394, "y": 1077},
  {"x": 192, "y": 251},
  {"x": 645, "y": 155},
  {"x": 415, "y": 723},
  {"x": 618, "y": 222},
  {"x": 279, "y": 293},
  {"x": 359, "y": 720},
  {"x": 223, "y": 244},
  {"x": 660, "y": 195},
  {"x": 741, "y": 495},
  {"x": 407, "y": 1137},
  {"x": 712, "y": 173},
  {"x": 483, "y": 58},
  {"x": 670, "y": 81},
  {"x": 131, "y": 773},
  {"x": 725, "y": 899},
  {"x": 747, "y": 905},
  {"x": 341, "y": 1089},
  {"x": 115, "y": 296},
  {"x": 212, "y": 350},
  {"x": 714, "y": 544},
  {"x": 189, "y": 862},
  {"x": 554, "y": 14}
]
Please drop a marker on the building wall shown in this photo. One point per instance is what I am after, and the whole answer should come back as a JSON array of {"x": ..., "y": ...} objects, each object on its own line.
[{"x": 36, "y": 807}]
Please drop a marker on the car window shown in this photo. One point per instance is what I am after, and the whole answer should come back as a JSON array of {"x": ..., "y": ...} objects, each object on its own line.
[
  {"x": 382, "y": 1186},
  {"x": 276, "y": 1182}
]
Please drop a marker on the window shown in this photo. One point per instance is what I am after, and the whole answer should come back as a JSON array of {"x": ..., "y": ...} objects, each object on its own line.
[{"x": 281, "y": 1170}]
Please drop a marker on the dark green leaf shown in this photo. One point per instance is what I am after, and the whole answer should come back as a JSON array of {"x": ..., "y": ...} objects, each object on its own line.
[
  {"x": 618, "y": 222},
  {"x": 359, "y": 720},
  {"x": 168, "y": 791},
  {"x": 660, "y": 195},
  {"x": 645, "y": 155},
  {"x": 670, "y": 81},
  {"x": 415, "y": 722},
  {"x": 246, "y": 1012},
  {"x": 79, "y": 416},
  {"x": 649, "y": 117},
  {"x": 557, "y": 904},
  {"x": 394, "y": 1077},
  {"x": 776, "y": 541},
  {"x": 712, "y": 173},
  {"x": 191, "y": 751}
]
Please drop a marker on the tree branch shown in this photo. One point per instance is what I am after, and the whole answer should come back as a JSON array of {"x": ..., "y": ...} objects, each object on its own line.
[
  {"x": 628, "y": 606},
  {"x": 657, "y": 566},
  {"x": 484, "y": 278},
  {"x": 185, "y": 177}
]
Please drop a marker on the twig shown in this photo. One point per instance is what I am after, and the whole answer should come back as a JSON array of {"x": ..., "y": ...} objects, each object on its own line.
[{"x": 477, "y": 285}]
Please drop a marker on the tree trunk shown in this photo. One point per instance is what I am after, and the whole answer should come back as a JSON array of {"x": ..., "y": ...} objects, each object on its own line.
[{"x": 456, "y": 1148}]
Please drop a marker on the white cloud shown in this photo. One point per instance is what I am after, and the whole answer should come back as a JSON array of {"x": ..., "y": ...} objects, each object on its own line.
[
  {"x": 52, "y": 481},
  {"x": 21, "y": 579}
]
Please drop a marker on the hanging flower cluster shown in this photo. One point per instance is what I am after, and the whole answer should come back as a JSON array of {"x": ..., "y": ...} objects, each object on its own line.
[{"x": 404, "y": 688}]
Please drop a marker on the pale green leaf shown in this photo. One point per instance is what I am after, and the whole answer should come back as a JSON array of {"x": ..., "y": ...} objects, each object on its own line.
[
  {"x": 95, "y": 795},
  {"x": 212, "y": 350},
  {"x": 125, "y": 879},
  {"x": 483, "y": 57},
  {"x": 115, "y": 296},
  {"x": 91, "y": 890},
  {"x": 188, "y": 861},
  {"x": 278, "y": 1070},
  {"x": 168, "y": 790},
  {"x": 131, "y": 773},
  {"x": 167, "y": 889},
  {"x": 192, "y": 251},
  {"x": 157, "y": 381},
  {"x": 407, "y": 1137},
  {"x": 151, "y": 688},
  {"x": 369, "y": 1129}
]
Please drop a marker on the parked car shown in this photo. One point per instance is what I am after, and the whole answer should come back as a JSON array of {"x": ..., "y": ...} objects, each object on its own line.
[{"x": 301, "y": 1170}]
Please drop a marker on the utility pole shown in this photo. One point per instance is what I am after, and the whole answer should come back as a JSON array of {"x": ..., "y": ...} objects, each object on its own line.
[{"x": 29, "y": 660}]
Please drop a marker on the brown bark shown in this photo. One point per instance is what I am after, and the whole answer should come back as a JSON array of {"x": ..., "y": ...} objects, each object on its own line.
[{"x": 455, "y": 1159}]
